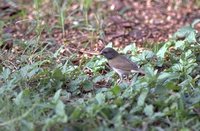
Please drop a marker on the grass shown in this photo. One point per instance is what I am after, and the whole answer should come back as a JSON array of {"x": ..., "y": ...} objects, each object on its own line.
[{"x": 42, "y": 89}]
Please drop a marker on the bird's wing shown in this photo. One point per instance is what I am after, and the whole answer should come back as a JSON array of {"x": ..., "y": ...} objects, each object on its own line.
[{"x": 123, "y": 63}]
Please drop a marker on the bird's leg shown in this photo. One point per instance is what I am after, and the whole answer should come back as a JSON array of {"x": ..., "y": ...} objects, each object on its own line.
[
  {"x": 126, "y": 77},
  {"x": 121, "y": 78}
]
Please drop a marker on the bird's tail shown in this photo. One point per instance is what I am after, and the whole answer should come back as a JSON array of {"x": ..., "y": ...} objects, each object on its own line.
[{"x": 138, "y": 71}]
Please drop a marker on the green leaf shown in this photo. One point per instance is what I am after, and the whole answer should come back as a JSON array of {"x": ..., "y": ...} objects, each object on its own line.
[
  {"x": 131, "y": 47},
  {"x": 24, "y": 71},
  {"x": 148, "y": 110},
  {"x": 57, "y": 74},
  {"x": 185, "y": 129},
  {"x": 167, "y": 78},
  {"x": 172, "y": 85},
  {"x": 177, "y": 68},
  {"x": 87, "y": 85},
  {"x": 57, "y": 96},
  {"x": 180, "y": 45},
  {"x": 116, "y": 90},
  {"x": 163, "y": 50},
  {"x": 33, "y": 72},
  {"x": 60, "y": 115},
  {"x": 188, "y": 54},
  {"x": 191, "y": 38},
  {"x": 150, "y": 71},
  {"x": 27, "y": 125},
  {"x": 96, "y": 63},
  {"x": 183, "y": 32},
  {"x": 146, "y": 54},
  {"x": 158, "y": 115},
  {"x": 186, "y": 32},
  {"x": 60, "y": 110},
  {"x": 18, "y": 100},
  {"x": 98, "y": 78},
  {"x": 165, "y": 75},
  {"x": 159, "y": 62},
  {"x": 5, "y": 74},
  {"x": 142, "y": 97},
  {"x": 100, "y": 97},
  {"x": 76, "y": 113}
]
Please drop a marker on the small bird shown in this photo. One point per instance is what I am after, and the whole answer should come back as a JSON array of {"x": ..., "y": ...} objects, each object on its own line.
[{"x": 120, "y": 64}]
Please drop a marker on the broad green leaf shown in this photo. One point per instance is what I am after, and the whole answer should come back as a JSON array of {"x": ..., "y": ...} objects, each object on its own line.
[
  {"x": 87, "y": 85},
  {"x": 158, "y": 115},
  {"x": 180, "y": 45},
  {"x": 96, "y": 64},
  {"x": 194, "y": 98},
  {"x": 186, "y": 32},
  {"x": 128, "y": 92},
  {"x": 57, "y": 74},
  {"x": 177, "y": 68},
  {"x": 148, "y": 110},
  {"x": 150, "y": 71},
  {"x": 100, "y": 97},
  {"x": 183, "y": 32},
  {"x": 59, "y": 117},
  {"x": 60, "y": 110},
  {"x": 191, "y": 38},
  {"x": 135, "y": 59},
  {"x": 142, "y": 97},
  {"x": 185, "y": 129},
  {"x": 185, "y": 83},
  {"x": 160, "y": 62},
  {"x": 76, "y": 113},
  {"x": 172, "y": 85},
  {"x": 18, "y": 100},
  {"x": 163, "y": 50},
  {"x": 27, "y": 125},
  {"x": 98, "y": 78},
  {"x": 57, "y": 96},
  {"x": 33, "y": 72},
  {"x": 131, "y": 47},
  {"x": 146, "y": 54},
  {"x": 188, "y": 54},
  {"x": 117, "y": 119},
  {"x": 5, "y": 74},
  {"x": 165, "y": 75},
  {"x": 24, "y": 71},
  {"x": 116, "y": 90}
]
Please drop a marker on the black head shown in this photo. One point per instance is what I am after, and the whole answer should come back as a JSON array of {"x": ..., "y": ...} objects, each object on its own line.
[{"x": 109, "y": 53}]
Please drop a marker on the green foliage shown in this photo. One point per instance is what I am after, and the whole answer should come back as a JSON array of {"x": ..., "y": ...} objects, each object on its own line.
[{"x": 43, "y": 90}]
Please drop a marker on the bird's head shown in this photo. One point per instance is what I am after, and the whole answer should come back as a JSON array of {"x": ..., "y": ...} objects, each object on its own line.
[{"x": 109, "y": 53}]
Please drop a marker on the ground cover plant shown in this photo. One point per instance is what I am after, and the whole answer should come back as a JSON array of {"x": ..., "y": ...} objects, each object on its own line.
[{"x": 51, "y": 77}]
